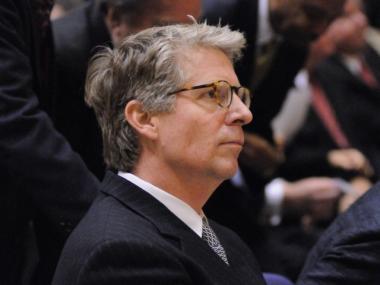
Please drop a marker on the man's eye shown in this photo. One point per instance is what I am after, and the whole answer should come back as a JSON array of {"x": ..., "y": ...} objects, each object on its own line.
[{"x": 211, "y": 93}]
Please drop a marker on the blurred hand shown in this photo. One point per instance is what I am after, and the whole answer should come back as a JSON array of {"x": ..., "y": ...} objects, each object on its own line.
[
  {"x": 347, "y": 28},
  {"x": 351, "y": 160},
  {"x": 259, "y": 155},
  {"x": 320, "y": 49},
  {"x": 315, "y": 197},
  {"x": 360, "y": 185}
]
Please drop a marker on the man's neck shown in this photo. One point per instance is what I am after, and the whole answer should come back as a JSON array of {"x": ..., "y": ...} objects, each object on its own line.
[{"x": 194, "y": 191}]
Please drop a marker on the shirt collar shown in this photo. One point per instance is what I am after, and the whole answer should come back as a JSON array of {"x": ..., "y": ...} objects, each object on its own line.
[
  {"x": 178, "y": 207},
  {"x": 353, "y": 64}
]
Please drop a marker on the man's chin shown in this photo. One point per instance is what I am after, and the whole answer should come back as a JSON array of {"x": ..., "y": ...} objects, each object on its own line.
[{"x": 230, "y": 171}]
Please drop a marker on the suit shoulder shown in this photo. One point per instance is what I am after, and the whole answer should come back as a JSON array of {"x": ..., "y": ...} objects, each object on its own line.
[
  {"x": 358, "y": 224},
  {"x": 109, "y": 219},
  {"x": 127, "y": 260},
  {"x": 350, "y": 245},
  {"x": 363, "y": 215},
  {"x": 110, "y": 235}
]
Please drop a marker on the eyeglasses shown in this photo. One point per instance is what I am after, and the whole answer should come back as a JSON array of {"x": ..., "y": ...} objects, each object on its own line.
[{"x": 222, "y": 92}]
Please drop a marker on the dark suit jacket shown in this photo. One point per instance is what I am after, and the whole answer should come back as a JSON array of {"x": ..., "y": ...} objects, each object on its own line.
[
  {"x": 356, "y": 106},
  {"x": 77, "y": 37},
  {"x": 41, "y": 179},
  {"x": 349, "y": 251},
  {"x": 128, "y": 237}
]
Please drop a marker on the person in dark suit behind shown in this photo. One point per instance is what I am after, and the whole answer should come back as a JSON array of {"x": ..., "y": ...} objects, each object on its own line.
[
  {"x": 349, "y": 251},
  {"x": 171, "y": 110},
  {"x": 45, "y": 186}
]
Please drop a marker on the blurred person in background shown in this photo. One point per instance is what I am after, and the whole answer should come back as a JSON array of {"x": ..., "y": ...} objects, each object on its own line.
[
  {"x": 319, "y": 153},
  {"x": 340, "y": 135},
  {"x": 284, "y": 30},
  {"x": 348, "y": 251}
]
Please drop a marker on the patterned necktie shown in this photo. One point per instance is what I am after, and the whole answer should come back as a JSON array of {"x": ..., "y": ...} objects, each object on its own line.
[{"x": 210, "y": 237}]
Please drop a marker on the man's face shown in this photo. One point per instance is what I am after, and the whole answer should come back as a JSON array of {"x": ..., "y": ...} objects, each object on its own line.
[
  {"x": 164, "y": 12},
  {"x": 199, "y": 139},
  {"x": 302, "y": 21}
]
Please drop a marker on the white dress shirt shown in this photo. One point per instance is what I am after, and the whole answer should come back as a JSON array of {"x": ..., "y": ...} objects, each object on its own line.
[
  {"x": 178, "y": 207},
  {"x": 353, "y": 64}
]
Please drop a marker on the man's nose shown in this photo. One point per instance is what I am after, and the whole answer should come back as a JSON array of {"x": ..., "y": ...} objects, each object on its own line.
[{"x": 239, "y": 113}]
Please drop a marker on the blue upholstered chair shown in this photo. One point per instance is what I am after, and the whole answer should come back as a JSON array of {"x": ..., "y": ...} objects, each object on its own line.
[{"x": 275, "y": 279}]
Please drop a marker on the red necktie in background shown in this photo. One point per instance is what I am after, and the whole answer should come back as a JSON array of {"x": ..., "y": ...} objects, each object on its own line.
[
  {"x": 367, "y": 75},
  {"x": 327, "y": 115}
]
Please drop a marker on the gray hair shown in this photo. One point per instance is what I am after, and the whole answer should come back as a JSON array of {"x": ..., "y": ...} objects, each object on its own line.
[{"x": 146, "y": 67}]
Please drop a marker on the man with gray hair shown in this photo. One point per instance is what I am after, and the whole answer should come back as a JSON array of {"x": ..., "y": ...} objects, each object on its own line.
[{"x": 171, "y": 110}]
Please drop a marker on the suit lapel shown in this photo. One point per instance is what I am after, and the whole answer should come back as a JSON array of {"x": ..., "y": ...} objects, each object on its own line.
[{"x": 170, "y": 227}]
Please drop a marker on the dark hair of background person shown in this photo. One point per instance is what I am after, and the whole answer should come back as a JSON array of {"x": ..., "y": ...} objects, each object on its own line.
[{"x": 372, "y": 9}]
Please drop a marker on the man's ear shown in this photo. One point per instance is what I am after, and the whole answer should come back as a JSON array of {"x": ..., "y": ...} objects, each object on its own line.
[{"x": 144, "y": 123}]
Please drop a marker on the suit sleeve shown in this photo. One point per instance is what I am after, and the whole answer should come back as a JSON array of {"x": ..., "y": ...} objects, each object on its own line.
[
  {"x": 349, "y": 250},
  {"x": 354, "y": 261},
  {"x": 133, "y": 263},
  {"x": 32, "y": 153}
]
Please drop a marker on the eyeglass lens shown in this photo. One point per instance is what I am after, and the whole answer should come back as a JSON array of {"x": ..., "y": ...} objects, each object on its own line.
[
  {"x": 245, "y": 96},
  {"x": 224, "y": 92}
]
